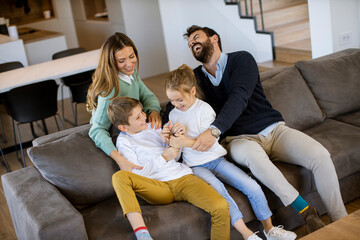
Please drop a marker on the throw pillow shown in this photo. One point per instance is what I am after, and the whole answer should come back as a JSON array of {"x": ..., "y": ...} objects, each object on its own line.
[{"x": 81, "y": 171}]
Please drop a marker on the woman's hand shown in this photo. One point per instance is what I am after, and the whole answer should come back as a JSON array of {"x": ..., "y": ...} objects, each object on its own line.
[
  {"x": 155, "y": 120},
  {"x": 204, "y": 141},
  {"x": 123, "y": 163}
]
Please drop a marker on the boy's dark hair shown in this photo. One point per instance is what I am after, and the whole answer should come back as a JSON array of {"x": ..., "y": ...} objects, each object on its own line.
[
  {"x": 120, "y": 108},
  {"x": 208, "y": 31}
]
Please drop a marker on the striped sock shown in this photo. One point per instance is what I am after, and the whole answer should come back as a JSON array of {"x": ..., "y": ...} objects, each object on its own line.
[
  {"x": 300, "y": 205},
  {"x": 142, "y": 233}
]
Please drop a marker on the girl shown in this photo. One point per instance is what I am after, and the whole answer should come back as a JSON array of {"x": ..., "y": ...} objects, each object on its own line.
[
  {"x": 193, "y": 116},
  {"x": 117, "y": 74}
]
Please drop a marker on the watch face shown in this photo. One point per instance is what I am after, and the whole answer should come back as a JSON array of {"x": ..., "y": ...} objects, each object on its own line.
[{"x": 215, "y": 132}]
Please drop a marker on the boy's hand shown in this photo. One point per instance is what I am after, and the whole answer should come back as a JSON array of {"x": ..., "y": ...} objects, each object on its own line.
[
  {"x": 155, "y": 120},
  {"x": 165, "y": 134},
  {"x": 170, "y": 153},
  {"x": 181, "y": 141}
]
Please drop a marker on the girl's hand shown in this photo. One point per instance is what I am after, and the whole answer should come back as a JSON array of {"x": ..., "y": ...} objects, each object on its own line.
[
  {"x": 165, "y": 134},
  {"x": 178, "y": 129},
  {"x": 181, "y": 141},
  {"x": 155, "y": 120}
]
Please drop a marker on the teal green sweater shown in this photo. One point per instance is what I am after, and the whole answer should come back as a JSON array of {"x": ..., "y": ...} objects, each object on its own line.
[{"x": 99, "y": 131}]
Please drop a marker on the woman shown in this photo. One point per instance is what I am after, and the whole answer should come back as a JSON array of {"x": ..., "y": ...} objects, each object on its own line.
[{"x": 117, "y": 74}]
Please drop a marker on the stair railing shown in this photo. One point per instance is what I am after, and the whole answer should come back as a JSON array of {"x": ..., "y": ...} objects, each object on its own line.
[{"x": 246, "y": 10}]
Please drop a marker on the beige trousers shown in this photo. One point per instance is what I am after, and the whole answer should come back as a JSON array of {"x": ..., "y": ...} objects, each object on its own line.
[
  {"x": 288, "y": 145},
  {"x": 187, "y": 188}
]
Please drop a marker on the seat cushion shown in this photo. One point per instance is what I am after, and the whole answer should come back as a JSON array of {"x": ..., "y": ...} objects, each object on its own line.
[
  {"x": 342, "y": 141},
  {"x": 289, "y": 94},
  {"x": 81, "y": 171},
  {"x": 334, "y": 82},
  {"x": 352, "y": 118}
]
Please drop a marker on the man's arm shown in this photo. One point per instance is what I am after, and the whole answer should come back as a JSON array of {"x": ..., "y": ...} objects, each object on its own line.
[{"x": 244, "y": 76}]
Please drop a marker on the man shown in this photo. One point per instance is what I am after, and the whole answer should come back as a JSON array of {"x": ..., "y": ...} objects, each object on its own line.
[{"x": 253, "y": 130}]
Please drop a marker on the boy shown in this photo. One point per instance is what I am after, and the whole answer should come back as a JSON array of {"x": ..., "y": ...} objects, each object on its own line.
[{"x": 162, "y": 180}]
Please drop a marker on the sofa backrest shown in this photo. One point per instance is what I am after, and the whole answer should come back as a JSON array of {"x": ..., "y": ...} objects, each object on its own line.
[
  {"x": 288, "y": 93},
  {"x": 81, "y": 171},
  {"x": 335, "y": 81}
]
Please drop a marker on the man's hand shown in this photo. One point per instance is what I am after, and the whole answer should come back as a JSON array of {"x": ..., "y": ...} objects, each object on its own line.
[
  {"x": 155, "y": 120},
  {"x": 204, "y": 141},
  {"x": 170, "y": 153},
  {"x": 181, "y": 141},
  {"x": 123, "y": 163},
  {"x": 165, "y": 134}
]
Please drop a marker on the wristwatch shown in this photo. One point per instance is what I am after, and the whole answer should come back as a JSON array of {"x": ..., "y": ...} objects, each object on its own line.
[{"x": 215, "y": 131}]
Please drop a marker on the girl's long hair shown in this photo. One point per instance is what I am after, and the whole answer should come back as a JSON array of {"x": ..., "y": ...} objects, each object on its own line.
[{"x": 105, "y": 77}]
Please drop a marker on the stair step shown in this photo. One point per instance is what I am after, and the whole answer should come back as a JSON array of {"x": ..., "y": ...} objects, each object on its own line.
[
  {"x": 288, "y": 33},
  {"x": 268, "y": 5},
  {"x": 283, "y": 16}
]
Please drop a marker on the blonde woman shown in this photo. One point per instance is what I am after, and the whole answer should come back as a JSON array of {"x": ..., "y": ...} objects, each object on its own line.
[{"x": 117, "y": 74}]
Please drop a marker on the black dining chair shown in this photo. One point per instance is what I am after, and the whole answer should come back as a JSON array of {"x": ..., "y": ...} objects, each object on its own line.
[
  {"x": 3, "y": 161},
  {"x": 78, "y": 84},
  {"x": 3, "y": 68},
  {"x": 31, "y": 103}
]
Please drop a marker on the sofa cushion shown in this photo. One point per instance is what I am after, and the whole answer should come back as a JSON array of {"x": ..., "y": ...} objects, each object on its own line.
[
  {"x": 342, "y": 141},
  {"x": 335, "y": 82},
  {"x": 289, "y": 94},
  {"x": 352, "y": 118},
  {"x": 81, "y": 171}
]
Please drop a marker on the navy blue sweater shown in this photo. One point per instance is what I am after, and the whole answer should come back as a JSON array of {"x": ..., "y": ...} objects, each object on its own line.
[{"x": 239, "y": 100}]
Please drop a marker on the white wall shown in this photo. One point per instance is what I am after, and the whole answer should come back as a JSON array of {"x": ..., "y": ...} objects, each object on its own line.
[
  {"x": 330, "y": 22},
  {"x": 236, "y": 34},
  {"x": 143, "y": 25}
]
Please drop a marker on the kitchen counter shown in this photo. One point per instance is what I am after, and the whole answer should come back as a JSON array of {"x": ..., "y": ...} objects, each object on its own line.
[{"x": 29, "y": 35}]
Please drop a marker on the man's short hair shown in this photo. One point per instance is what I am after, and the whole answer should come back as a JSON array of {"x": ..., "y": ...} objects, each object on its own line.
[
  {"x": 208, "y": 31},
  {"x": 120, "y": 108}
]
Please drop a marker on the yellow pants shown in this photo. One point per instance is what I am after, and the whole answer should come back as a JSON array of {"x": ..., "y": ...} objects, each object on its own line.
[{"x": 187, "y": 188}]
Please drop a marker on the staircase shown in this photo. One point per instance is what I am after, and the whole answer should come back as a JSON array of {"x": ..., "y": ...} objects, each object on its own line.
[{"x": 289, "y": 22}]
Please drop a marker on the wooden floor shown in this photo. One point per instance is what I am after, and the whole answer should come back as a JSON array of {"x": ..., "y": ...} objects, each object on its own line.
[{"x": 156, "y": 84}]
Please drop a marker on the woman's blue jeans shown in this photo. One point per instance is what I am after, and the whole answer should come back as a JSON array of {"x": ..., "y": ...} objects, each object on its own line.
[{"x": 220, "y": 169}]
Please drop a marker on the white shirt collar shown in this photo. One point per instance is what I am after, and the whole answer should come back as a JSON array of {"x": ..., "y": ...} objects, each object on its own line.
[{"x": 126, "y": 78}]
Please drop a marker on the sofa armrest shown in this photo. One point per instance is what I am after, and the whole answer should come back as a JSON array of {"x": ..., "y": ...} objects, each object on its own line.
[{"x": 38, "y": 209}]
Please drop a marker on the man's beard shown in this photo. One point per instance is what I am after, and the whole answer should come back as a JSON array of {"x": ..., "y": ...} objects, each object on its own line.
[{"x": 205, "y": 53}]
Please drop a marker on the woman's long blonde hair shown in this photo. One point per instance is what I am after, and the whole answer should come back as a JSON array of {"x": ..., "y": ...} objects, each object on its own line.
[{"x": 105, "y": 77}]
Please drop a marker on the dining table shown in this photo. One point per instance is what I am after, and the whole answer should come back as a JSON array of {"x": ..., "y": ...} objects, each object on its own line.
[{"x": 54, "y": 69}]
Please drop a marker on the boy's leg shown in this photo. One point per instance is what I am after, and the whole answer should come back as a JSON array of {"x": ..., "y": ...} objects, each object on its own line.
[
  {"x": 126, "y": 184},
  {"x": 197, "y": 192}
]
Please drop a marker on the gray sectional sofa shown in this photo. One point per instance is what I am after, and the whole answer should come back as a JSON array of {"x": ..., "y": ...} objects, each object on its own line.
[{"x": 68, "y": 192}]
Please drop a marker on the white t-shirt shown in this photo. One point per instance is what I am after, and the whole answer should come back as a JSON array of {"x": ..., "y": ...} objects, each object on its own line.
[
  {"x": 145, "y": 149},
  {"x": 196, "y": 120}
]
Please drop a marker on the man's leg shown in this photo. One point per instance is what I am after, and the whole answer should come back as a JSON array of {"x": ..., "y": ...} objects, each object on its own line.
[
  {"x": 192, "y": 189},
  {"x": 293, "y": 146},
  {"x": 250, "y": 154},
  {"x": 126, "y": 184}
]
